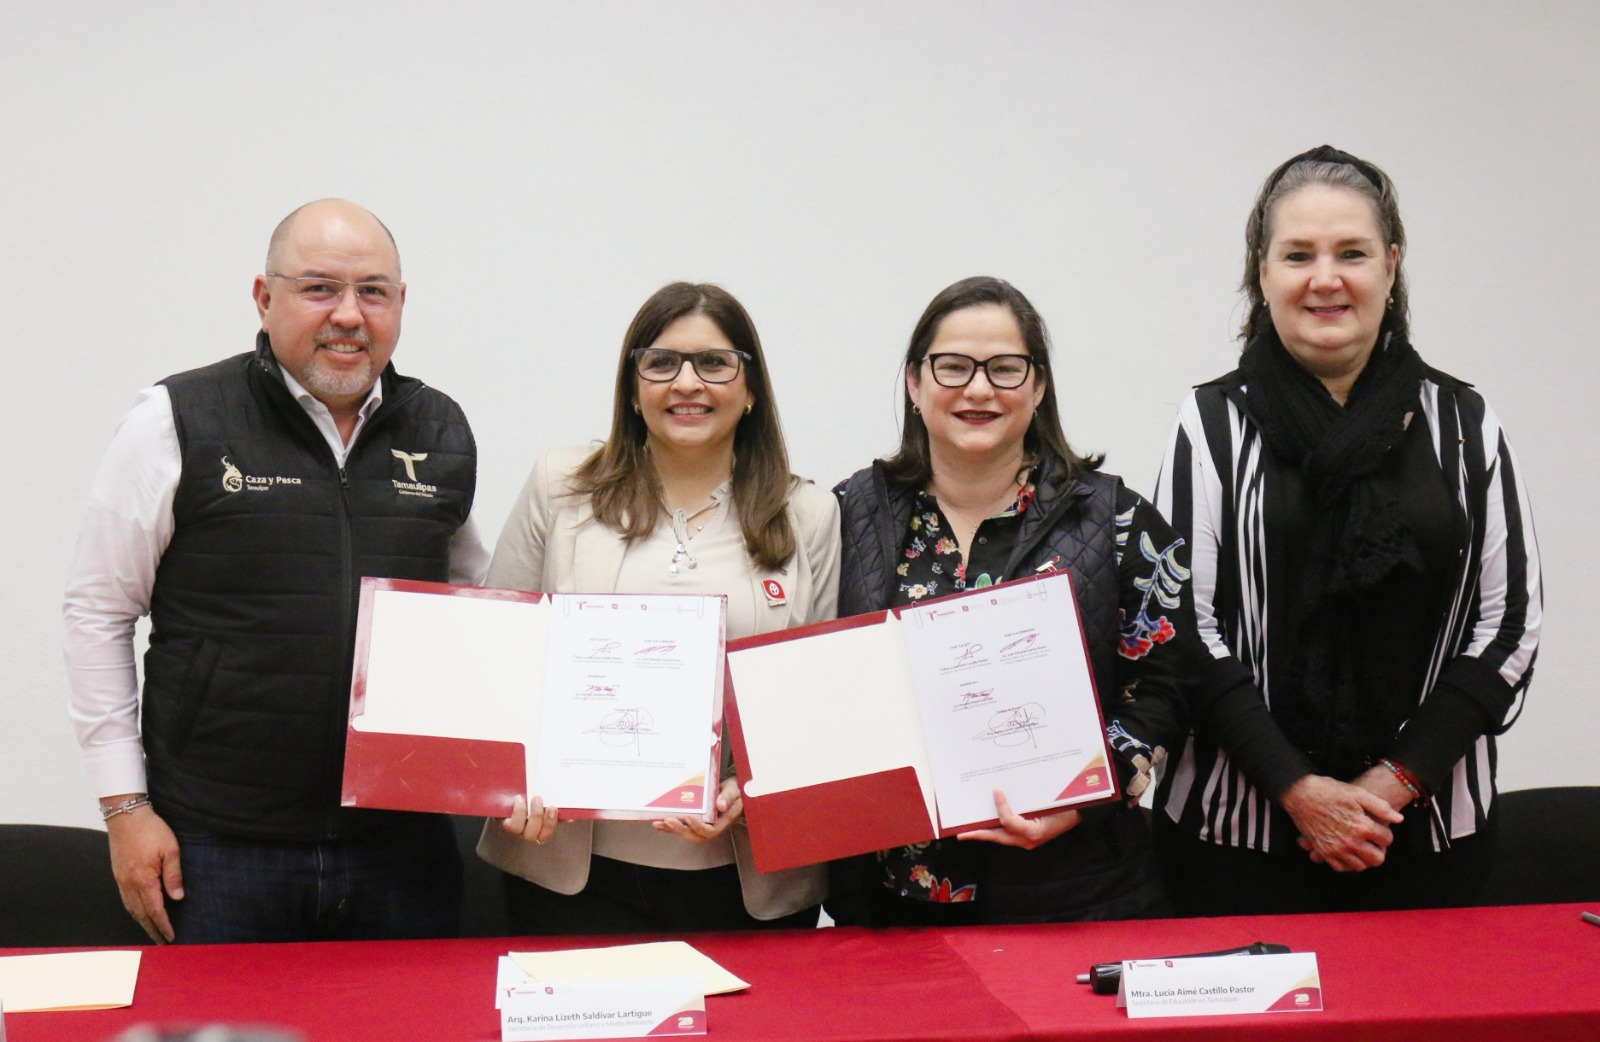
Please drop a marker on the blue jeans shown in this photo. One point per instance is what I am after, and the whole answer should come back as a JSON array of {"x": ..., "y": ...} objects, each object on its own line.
[{"x": 391, "y": 887}]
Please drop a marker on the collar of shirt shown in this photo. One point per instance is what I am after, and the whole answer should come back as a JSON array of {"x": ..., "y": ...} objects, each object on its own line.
[{"x": 323, "y": 418}]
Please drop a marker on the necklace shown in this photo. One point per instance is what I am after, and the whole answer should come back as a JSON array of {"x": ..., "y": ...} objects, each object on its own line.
[
  {"x": 964, "y": 518},
  {"x": 680, "y": 529}
]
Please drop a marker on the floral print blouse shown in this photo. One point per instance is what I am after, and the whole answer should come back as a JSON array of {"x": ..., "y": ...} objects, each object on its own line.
[{"x": 1154, "y": 589}]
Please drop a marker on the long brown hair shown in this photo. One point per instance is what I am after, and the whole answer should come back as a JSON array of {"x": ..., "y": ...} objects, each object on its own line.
[
  {"x": 619, "y": 477},
  {"x": 911, "y": 464}
]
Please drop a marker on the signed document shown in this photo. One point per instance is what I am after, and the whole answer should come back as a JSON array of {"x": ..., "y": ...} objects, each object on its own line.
[
  {"x": 1005, "y": 701},
  {"x": 603, "y": 705},
  {"x": 896, "y": 727},
  {"x": 631, "y": 693}
]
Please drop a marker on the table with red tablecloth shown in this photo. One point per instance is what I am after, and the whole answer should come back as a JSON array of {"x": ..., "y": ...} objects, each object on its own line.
[{"x": 1457, "y": 975}]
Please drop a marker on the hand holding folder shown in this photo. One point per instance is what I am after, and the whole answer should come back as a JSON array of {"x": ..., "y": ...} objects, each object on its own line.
[
  {"x": 464, "y": 699},
  {"x": 896, "y": 727}
]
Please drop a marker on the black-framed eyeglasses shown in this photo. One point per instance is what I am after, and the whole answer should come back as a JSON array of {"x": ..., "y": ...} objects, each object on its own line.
[
  {"x": 715, "y": 365},
  {"x": 1003, "y": 371},
  {"x": 371, "y": 295}
]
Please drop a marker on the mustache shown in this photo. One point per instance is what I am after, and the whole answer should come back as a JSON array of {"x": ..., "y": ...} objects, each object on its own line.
[{"x": 360, "y": 336}]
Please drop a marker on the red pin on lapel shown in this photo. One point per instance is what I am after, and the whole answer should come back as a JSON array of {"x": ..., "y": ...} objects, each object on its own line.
[{"x": 774, "y": 591}]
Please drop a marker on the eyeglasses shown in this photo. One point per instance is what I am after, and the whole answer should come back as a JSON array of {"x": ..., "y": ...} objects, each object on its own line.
[
  {"x": 371, "y": 295},
  {"x": 1003, "y": 371},
  {"x": 660, "y": 365}
]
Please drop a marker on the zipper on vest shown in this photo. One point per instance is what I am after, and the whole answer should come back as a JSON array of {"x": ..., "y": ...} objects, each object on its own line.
[{"x": 347, "y": 581}]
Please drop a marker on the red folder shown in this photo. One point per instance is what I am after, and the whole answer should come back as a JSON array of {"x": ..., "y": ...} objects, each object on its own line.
[
  {"x": 477, "y": 775},
  {"x": 426, "y": 772},
  {"x": 859, "y": 812}
]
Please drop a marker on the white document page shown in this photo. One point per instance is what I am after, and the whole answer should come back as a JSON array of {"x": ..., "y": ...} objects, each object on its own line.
[
  {"x": 632, "y": 690},
  {"x": 1005, "y": 698},
  {"x": 629, "y": 962},
  {"x": 68, "y": 980},
  {"x": 454, "y": 667},
  {"x": 832, "y": 706}
]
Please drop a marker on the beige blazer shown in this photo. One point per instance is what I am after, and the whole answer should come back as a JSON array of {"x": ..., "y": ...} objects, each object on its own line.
[{"x": 551, "y": 543}]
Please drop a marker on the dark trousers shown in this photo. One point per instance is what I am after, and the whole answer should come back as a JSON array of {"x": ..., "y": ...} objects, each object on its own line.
[
  {"x": 1208, "y": 879},
  {"x": 626, "y": 898},
  {"x": 389, "y": 887}
]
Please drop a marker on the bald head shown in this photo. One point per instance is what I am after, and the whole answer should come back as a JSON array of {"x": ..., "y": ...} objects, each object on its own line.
[{"x": 325, "y": 210}]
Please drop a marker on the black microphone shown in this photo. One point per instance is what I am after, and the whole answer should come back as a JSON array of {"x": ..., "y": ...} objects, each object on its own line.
[{"x": 1104, "y": 977}]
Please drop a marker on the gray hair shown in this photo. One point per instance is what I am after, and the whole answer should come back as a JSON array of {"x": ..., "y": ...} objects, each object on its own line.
[{"x": 1367, "y": 181}]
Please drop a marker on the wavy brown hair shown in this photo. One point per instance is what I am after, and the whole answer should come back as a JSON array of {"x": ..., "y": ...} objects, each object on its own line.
[
  {"x": 911, "y": 464},
  {"x": 619, "y": 477}
]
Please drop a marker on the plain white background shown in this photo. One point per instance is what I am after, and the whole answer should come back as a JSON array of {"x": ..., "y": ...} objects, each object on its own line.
[{"x": 546, "y": 167}]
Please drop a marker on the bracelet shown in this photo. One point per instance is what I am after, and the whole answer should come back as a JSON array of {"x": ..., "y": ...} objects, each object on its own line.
[
  {"x": 1404, "y": 777},
  {"x": 133, "y": 803}
]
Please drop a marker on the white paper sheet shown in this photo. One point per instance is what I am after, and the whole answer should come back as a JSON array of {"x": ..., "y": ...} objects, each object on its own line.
[
  {"x": 1005, "y": 699},
  {"x": 68, "y": 980},
  {"x": 630, "y": 962},
  {"x": 631, "y": 690}
]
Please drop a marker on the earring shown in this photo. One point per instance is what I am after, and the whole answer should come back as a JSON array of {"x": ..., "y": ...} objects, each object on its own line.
[
  {"x": 1391, "y": 302},
  {"x": 636, "y": 409},
  {"x": 748, "y": 406},
  {"x": 916, "y": 408}
]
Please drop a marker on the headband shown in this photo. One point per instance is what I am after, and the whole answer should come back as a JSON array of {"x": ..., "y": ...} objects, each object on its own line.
[{"x": 1328, "y": 154}]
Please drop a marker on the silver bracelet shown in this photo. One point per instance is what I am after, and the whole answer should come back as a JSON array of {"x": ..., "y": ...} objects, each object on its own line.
[{"x": 134, "y": 803}]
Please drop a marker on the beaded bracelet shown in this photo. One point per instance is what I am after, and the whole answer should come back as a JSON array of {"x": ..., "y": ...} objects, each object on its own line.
[
  {"x": 1404, "y": 777},
  {"x": 133, "y": 803}
]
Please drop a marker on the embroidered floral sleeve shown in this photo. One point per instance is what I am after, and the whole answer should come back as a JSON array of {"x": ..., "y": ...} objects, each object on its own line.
[
  {"x": 1147, "y": 714},
  {"x": 1161, "y": 581}
]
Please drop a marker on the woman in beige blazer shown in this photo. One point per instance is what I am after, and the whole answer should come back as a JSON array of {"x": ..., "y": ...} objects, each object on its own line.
[{"x": 690, "y": 493}]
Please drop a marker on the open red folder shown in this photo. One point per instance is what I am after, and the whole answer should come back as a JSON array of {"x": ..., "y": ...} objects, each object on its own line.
[
  {"x": 882, "y": 730},
  {"x": 453, "y": 689}
]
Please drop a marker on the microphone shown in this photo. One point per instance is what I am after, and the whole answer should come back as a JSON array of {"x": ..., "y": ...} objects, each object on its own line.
[{"x": 1104, "y": 977}]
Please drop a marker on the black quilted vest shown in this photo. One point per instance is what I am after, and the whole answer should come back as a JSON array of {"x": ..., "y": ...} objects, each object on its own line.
[
  {"x": 1103, "y": 868},
  {"x": 247, "y": 680},
  {"x": 1070, "y": 523}
]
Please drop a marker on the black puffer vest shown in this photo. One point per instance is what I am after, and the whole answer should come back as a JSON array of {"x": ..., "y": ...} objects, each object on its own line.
[
  {"x": 1069, "y": 526},
  {"x": 247, "y": 680},
  {"x": 1103, "y": 868}
]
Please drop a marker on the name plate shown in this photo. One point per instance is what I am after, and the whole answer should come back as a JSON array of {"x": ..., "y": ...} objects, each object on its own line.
[
  {"x": 1208, "y": 987},
  {"x": 532, "y": 1010}
]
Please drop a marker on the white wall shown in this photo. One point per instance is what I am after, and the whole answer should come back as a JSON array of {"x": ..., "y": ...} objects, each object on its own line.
[{"x": 545, "y": 167}]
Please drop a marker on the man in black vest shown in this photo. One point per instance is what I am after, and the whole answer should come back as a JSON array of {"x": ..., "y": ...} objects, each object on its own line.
[{"x": 239, "y": 505}]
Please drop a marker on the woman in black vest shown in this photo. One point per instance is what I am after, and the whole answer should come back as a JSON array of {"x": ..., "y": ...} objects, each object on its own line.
[{"x": 984, "y": 488}]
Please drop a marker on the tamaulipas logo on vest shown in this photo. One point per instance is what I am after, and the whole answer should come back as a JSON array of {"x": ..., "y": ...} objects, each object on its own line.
[{"x": 411, "y": 486}]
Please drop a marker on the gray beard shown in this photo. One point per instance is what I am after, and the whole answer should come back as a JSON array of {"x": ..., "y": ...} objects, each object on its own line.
[{"x": 320, "y": 382}]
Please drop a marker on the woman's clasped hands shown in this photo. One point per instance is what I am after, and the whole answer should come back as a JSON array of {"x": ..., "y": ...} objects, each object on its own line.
[{"x": 1342, "y": 825}]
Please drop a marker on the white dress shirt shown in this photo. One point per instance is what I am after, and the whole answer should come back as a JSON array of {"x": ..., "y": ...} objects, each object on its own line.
[{"x": 126, "y": 528}]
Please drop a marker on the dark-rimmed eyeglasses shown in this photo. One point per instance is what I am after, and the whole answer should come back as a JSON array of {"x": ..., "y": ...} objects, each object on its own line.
[
  {"x": 371, "y": 295},
  {"x": 1003, "y": 371},
  {"x": 661, "y": 365}
]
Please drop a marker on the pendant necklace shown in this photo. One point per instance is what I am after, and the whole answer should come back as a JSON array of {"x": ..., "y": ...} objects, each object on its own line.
[{"x": 680, "y": 529}]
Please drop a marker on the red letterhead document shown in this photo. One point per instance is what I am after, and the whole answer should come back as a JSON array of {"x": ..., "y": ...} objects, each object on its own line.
[
  {"x": 604, "y": 705},
  {"x": 896, "y": 727}
]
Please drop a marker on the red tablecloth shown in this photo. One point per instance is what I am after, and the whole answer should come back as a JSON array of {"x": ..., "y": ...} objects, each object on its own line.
[{"x": 1462, "y": 975}]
